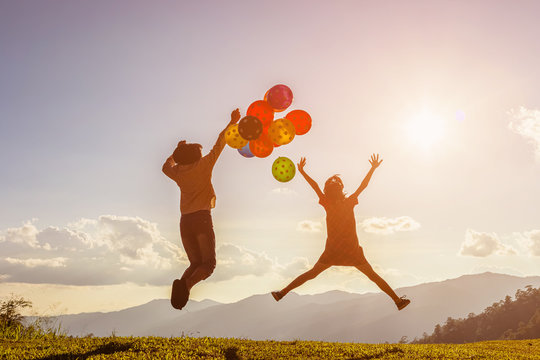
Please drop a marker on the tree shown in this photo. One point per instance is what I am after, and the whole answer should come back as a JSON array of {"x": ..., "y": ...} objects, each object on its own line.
[
  {"x": 505, "y": 319},
  {"x": 10, "y": 310}
]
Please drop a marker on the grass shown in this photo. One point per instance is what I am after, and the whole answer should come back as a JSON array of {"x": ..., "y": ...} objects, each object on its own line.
[
  {"x": 34, "y": 331},
  {"x": 63, "y": 348}
]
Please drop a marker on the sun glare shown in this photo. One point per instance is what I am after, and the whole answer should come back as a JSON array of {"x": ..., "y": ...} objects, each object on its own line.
[{"x": 425, "y": 130}]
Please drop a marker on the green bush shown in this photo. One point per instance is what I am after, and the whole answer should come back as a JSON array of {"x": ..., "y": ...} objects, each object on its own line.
[{"x": 13, "y": 326}]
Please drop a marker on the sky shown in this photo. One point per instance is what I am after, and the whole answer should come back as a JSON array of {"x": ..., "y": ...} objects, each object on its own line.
[{"x": 95, "y": 95}]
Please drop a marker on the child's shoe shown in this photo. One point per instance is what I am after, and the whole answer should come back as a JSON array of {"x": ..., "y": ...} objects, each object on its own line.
[
  {"x": 402, "y": 302},
  {"x": 277, "y": 295},
  {"x": 180, "y": 294}
]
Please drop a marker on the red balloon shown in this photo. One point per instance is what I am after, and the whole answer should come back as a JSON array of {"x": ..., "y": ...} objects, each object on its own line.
[
  {"x": 301, "y": 121},
  {"x": 265, "y": 132},
  {"x": 262, "y": 111},
  {"x": 262, "y": 147},
  {"x": 279, "y": 97}
]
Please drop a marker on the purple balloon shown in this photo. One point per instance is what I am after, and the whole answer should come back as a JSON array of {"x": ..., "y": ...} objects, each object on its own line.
[{"x": 245, "y": 152}]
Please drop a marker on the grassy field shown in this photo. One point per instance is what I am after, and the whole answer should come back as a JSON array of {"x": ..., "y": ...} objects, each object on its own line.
[{"x": 55, "y": 347}]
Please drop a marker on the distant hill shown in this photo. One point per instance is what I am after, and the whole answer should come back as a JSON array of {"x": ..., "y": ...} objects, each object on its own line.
[
  {"x": 131, "y": 321},
  {"x": 504, "y": 320},
  {"x": 331, "y": 316}
]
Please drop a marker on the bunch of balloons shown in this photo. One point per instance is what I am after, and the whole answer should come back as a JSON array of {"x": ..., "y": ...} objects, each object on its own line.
[{"x": 258, "y": 133}]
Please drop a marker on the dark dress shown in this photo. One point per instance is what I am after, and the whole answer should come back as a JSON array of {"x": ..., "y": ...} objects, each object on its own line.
[{"x": 342, "y": 246}]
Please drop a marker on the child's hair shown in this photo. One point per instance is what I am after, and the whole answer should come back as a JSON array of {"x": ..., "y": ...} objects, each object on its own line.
[
  {"x": 333, "y": 188},
  {"x": 186, "y": 154}
]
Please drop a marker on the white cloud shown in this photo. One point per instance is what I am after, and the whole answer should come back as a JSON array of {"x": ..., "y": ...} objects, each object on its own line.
[
  {"x": 482, "y": 244},
  {"x": 297, "y": 266},
  {"x": 530, "y": 240},
  {"x": 55, "y": 239},
  {"x": 233, "y": 260},
  {"x": 24, "y": 235},
  {"x": 117, "y": 249},
  {"x": 90, "y": 252},
  {"x": 385, "y": 226},
  {"x": 526, "y": 122},
  {"x": 284, "y": 191},
  {"x": 309, "y": 226},
  {"x": 31, "y": 263}
]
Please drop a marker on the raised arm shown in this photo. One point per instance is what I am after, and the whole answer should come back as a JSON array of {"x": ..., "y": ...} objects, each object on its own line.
[
  {"x": 374, "y": 161},
  {"x": 235, "y": 116},
  {"x": 310, "y": 181},
  {"x": 220, "y": 142},
  {"x": 168, "y": 167}
]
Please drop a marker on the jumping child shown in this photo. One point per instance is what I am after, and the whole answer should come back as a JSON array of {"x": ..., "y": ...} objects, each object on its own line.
[
  {"x": 342, "y": 248},
  {"x": 193, "y": 174}
]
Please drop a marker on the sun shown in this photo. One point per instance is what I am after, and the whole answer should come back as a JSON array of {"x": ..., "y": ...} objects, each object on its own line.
[{"x": 425, "y": 129}]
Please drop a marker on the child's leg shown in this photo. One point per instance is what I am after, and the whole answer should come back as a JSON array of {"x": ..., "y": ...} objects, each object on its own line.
[
  {"x": 373, "y": 276},
  {"x": 308, "y": 275},
  {"x": 207, "y": 247},
  {"x": 191, "y": 247},
  {"x": 199, "y": 243}
]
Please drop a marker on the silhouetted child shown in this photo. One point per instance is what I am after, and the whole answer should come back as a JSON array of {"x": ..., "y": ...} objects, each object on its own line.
[
  {"x": 342, "y": 246},
  {"x": 193, "y": 174}
]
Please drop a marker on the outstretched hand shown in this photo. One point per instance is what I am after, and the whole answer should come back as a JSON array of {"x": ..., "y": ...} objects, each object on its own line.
[
  {"x": 374, "y": 161},
  {"x": 310, "y": 181},
  {"x": 235, "y": 116},
  {"x": 301, "y": 164}
]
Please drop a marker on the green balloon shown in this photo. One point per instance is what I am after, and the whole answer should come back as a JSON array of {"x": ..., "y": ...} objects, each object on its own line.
[{"x": 283, "y": 169}]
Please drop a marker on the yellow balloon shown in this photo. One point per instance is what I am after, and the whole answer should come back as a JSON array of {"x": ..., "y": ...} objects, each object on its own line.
[
  {"x": 283, "y": 169},
  {"x": 233, "y": 138},
  {"x": 281, "y": 131}
]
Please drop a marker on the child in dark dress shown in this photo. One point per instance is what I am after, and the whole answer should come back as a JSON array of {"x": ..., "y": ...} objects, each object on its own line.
[{"x": 342, "y": 248}]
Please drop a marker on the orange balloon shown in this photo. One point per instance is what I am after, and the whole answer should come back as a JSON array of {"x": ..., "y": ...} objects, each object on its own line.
[
  {"x": 281, "y": 131},
  {"x": 262, "y": 111},
  {"x": 262, "y": 147},
  {"x": 265, "y": 132},
  {"x": 301, "y": 121}
]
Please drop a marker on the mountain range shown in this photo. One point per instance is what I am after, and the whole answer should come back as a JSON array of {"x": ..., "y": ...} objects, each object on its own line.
[{"x": 331, "y": 316}]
